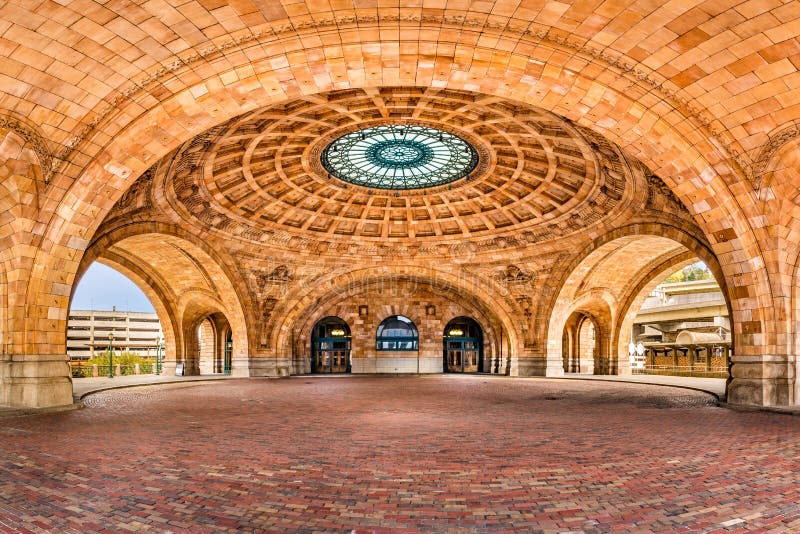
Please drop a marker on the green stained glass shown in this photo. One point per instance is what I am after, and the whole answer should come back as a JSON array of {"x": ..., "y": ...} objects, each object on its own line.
[{"x": 395, "y": 156}]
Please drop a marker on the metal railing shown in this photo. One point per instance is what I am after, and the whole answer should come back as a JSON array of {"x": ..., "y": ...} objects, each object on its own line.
[
  {"x": 90, "y": 371},
  {"x": 698, "y": 370}
]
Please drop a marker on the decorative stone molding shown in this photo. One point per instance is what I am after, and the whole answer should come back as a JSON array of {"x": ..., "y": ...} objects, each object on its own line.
[
  {"x": 507, "y": 27},
  {"x": 587, "y": 180},
  {"x": 137, "y": 197},
  {"x": 777, "y": 139},
  {"x": 37, "y": 142}
]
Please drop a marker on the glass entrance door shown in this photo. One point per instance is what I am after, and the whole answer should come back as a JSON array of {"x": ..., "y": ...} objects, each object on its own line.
[
  {"x": 331, "y": 355},
  {"x": 463, "y": 346},
  {"x": 462, "y": 355},
  {"x": 330, "y": 346},
  {"x": 228, "y": 356}
]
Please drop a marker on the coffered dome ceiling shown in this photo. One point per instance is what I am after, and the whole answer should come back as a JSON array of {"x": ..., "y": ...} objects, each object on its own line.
[{"x": 260, "y": 177}]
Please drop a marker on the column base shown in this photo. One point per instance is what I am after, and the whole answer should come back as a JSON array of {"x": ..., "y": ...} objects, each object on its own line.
[
  {"x": 35, "y": 380},
  {"x": 272, "y": 367},
  {"x": 587, "y": 366},
  {"x": 762, "y": 381},
  {"x": 240, "y": 367},
  {"x": 538, "y": 367}
]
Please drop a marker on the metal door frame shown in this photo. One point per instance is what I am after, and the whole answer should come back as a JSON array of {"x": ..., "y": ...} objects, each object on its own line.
[
  {"x": 315, "y": 349},
  {"x": 462, "y": 341}
]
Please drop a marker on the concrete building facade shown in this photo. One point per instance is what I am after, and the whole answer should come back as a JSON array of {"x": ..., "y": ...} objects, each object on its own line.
[
  {"x": 88, "y": 330},
  {"x": 683, "y": 327},
  {"x": 188, "y": 145}
]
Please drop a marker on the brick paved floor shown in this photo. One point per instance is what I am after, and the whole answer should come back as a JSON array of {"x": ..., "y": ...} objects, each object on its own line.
[{"x": 422, "y": 454}]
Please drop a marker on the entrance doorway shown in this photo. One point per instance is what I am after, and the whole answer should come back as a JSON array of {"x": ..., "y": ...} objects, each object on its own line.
[
  {"x": 463, "y": 346},
  {"x": 330, "y": 346},
  {"x": 228, "y": 353}
]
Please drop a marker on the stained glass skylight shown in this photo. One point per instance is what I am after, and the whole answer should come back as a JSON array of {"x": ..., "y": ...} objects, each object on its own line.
[{"x": 398, "y": 156}]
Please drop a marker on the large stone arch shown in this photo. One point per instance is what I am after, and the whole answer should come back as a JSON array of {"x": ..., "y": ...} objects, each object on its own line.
[
  {"x": 30, "y": 378},
  {"x": 635, "y": 297},
  {"x": 21, "y": 181},
  {"x": 188, "y": 281},
  {"x": 612, "y": 259},
  {"x": 576, "y": 81},
  {"x": 295, "y": 319},
  {"x": 431, "y": 327},
  {"x": 668, "y": 143},
  {"x": 159, "y": 295}
]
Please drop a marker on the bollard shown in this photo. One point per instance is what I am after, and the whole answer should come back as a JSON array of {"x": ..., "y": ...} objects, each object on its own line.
[
  {"x": 136, "y": 368},
  {"x": 94, "y": 370},
  {"x": 117, "y": 370}
]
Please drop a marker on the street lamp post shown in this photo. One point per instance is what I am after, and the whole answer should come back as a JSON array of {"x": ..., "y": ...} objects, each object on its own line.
[
  {"x": 640, "y": 352},
  {"x": 111, "y": 355},
  {"x": 158, "y": 355}
]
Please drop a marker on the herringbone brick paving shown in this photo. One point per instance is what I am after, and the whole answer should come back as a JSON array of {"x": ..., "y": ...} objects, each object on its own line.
[{"x": 443, "y": 454}]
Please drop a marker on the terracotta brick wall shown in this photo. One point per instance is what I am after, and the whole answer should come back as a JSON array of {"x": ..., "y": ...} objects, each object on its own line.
[
  {"x": 365, "y": 310},
  {"x": 705, "y": 98}
]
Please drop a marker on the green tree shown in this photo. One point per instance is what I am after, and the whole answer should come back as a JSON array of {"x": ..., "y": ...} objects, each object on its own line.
[
  {"x": 696, "y": 271},
  {"x": 126, "y": 359}
]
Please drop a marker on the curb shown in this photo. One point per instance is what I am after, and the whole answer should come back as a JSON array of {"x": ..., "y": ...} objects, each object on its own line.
[
  {"x": 783, "y": 410},
  {"x": 125, "y": 386},
  {"x": 24, "y": 412},
  {"x": 720, "y": 399}
]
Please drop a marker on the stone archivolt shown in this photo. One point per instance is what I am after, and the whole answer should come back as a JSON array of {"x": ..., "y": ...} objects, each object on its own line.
[
  {"x": 305, "y": 245},
  {"x": 258, "y": 179},
  {"x": 704, "y": 97}
]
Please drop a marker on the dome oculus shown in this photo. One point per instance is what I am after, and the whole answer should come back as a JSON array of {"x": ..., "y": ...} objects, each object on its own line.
[{"x": 395, "y": 156}]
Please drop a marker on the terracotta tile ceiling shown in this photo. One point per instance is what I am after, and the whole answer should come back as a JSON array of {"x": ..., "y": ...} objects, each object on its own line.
[{"x": 262, "y": 171}]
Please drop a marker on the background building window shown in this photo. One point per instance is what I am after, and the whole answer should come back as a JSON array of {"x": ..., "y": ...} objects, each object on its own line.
[{"x": 397, "y": 333}]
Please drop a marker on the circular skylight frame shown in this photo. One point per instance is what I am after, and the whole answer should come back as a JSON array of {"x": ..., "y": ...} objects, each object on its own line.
[{"x": 399, "y": 157}]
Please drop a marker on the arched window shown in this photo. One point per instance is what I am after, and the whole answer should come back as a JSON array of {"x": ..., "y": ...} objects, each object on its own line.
[{"x": 397, "y": 333}]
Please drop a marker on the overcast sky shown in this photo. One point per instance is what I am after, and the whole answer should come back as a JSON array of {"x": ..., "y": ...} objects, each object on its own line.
[{"x": 102, "y": 287}]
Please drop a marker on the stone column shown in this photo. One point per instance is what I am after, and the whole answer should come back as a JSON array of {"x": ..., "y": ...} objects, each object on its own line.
[
  {"x": 532, "y": 362},
  {"x": 765, "y": 380},
  {"x": 35, "y": 380}
]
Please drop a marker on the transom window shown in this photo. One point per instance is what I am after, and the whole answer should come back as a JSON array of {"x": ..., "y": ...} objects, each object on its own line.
[
  {"x": 399, "y": 156},
  {"x": 397, "y": 333}
]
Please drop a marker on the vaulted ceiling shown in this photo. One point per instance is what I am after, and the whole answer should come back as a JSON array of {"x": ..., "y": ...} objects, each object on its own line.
[{"x": 733, "y": 65}]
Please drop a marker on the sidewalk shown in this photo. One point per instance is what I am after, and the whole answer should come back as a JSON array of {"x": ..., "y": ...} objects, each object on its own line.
[
  {"x": 85, "y": 386},
  {"x": 715, "y": 386}
]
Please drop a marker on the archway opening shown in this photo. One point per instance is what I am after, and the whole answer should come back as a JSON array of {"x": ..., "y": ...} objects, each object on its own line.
[
  {"x": 463, "y": 346},
  {"x": 113, "y": 328},
  {"x": 580, "y": 344},
  {"x": 683, "y": 326},
  {"x": 607, "y": 286},
  {"x": 212, "y": 342},
  {"x": 330, "y": 346},
  {"x": 193, "y": 293},
  {"x": 364, "y": 303}
]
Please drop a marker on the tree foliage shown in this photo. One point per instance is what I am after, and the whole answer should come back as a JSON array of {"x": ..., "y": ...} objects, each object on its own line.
[
  {"x": 696, "y": 271},
  {"x": 125, "y": 359}
]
